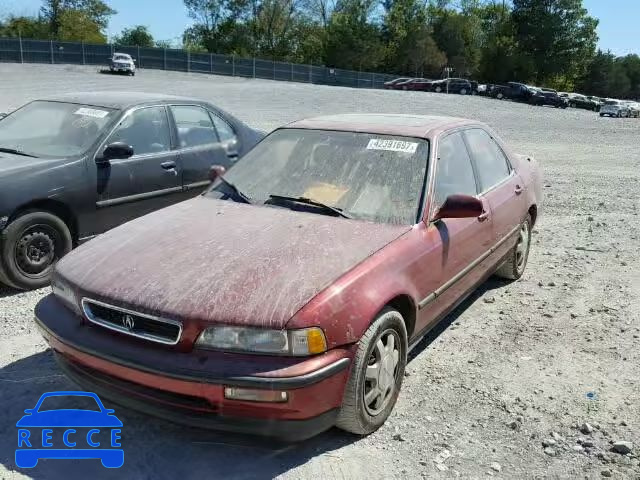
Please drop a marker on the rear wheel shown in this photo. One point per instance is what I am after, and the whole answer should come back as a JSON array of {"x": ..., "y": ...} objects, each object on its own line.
[
  {"x": 31, "y": 246},
  {"x": 376, "y": 375},
  {"x": 438, "y": 89},
  {"x": 516, "y": 261},
  {"x": 500, "y": 96},
  {"x": 463, "y": 91}
]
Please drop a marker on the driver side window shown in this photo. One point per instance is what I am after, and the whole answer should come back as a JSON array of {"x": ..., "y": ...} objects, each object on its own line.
[
  {"x": 146, "y": 130},
  {"x": 454, "y": 173}
]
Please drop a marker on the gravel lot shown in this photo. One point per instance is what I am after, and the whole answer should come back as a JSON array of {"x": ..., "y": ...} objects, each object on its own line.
[{"x": 501, "y": 389}]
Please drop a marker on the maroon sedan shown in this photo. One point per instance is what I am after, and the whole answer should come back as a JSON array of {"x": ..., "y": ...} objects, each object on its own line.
[{"x": 284, "y": 300}]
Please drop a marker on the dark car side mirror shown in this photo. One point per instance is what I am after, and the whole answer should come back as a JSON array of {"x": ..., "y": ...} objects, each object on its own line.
[
  {"x": 115, "y": 151},
  {"x": 459, "y": 206},
  {"x": 216, "y": 172}
]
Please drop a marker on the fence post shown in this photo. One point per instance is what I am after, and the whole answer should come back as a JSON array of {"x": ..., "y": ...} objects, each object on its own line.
[
  {"x": 373, "y": 80},
  {"x": 233, "y": 65},
  {"x": 21, "y": 55},
  {"x": 274, "y": 69},
  {"x": 291, "y": 71},
  {"x": 84, "y": 62},
  {"x": 254, "y": 67},
  {"x": 310, "y": 74},
  {"x": 164, "y": 50},
  {"x": 211, "y": 62},
  {"x": 139, "y": 60},
  {"x": 51, "y": 48},
  {"x": 188, "y": 61}
]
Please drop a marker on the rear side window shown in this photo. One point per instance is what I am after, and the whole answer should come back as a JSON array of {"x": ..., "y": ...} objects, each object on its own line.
[
  {"x": 225, "y": 132},
  {"x": 194, "y": 126},
  {"x": 491, "y": 163},
  {"x": 454, "y": 173}
]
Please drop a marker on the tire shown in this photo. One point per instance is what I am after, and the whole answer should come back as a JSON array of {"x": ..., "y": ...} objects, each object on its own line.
[
  {"x": 356, "y": 416},
  {"x": 438, "y": 89},
  {"x": 463, "y": 91},
  {"x": 500, "y": 96},
  {"x": 572, "y": 105},
  {"x": 30, "y": 247},
  {"x": 602, "y": 114},
  {"x": 516, "y": 262}
]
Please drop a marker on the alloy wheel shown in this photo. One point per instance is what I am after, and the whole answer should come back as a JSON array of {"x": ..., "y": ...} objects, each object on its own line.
[
  {"x": 522, "y": 247},
  {"x": 381, "y": 372}
]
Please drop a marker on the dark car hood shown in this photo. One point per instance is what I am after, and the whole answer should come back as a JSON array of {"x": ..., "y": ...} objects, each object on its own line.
[
  {"x": 11, "y": 164},
  {"x": 220, "y": 261}
]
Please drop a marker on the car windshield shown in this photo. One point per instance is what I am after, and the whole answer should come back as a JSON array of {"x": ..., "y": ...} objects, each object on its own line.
[
  {"x": 54, "y": 129},
  {"x": 367, "y": 176},
  {"x": 612, "y": 102},
  {"x": 122, "y": 57},
  {"x": 69, "y": 402}
]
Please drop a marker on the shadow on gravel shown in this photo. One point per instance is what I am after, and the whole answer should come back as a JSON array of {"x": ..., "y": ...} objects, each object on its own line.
[
  {"x": 491, "y": 284},
  {"x": 7, "y": 291},
  {"x": 154, "y": 449}
]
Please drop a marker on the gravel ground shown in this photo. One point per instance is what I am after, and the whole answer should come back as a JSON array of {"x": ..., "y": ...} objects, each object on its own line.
[{"x": 504, "y": 387}]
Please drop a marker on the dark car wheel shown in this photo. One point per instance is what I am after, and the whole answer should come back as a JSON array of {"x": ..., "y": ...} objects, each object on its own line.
[
  {"x": 516, "y": 262},
  {"x": 500, "y": 96},
  {"x": 438, "y": 89},
  {"x": 31, "y": 245},
  {"x": 376, "y": 375},
  {"x": 463, "y": 91}
]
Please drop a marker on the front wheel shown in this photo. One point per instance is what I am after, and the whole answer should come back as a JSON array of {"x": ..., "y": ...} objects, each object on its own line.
[
  {"x": 438, "y": 90},
  {"x": 463, "y": 91},
  {"x": 376, "y": 375},
  {"x": 516, "y": 262},
  {"x": 31, "y": 246}
]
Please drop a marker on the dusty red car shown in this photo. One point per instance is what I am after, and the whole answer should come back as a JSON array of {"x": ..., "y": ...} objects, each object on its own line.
[{"x": 284, "y": 300}]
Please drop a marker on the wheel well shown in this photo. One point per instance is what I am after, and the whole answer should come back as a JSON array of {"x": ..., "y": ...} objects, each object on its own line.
[
  {"x": 58, "y": 209},
  {"x": 407, "y": 308},
  {"x": 533, "y": 211}
]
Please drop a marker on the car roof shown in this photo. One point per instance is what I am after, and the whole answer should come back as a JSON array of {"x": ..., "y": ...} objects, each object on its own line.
[
  {"x": 117, "y": 99},
  {"x": 420, "y": 126}
]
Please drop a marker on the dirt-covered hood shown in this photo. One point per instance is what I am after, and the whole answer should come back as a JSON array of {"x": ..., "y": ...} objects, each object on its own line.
[{"x": 219, "y": 261}]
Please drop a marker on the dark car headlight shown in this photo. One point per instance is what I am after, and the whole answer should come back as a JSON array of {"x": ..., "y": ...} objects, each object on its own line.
[{"x": 306, "y": 341}]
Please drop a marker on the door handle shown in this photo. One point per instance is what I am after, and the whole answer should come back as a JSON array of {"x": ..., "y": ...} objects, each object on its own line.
[
  {"x": 483, "y": 216},
  {"x": 168, "y": 165},
  {"x": 518, "y": 190}
]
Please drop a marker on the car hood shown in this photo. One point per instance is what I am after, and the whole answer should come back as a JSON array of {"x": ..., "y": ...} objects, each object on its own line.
[
  {"x": 11, "y": 164},
  {"x": 69, "y": 418},
  {"x": 209, "y": 260}
]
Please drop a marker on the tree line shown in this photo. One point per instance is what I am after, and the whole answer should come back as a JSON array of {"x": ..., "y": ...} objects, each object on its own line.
[{"x": 549, "y": 43}]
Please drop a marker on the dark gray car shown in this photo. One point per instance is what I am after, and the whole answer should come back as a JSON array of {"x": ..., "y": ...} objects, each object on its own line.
[{"x": 76, "y": 165}]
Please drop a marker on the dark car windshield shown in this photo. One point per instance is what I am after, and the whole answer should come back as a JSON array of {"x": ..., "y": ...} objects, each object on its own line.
[
  {"x": 54, "y": 129},
  {"x": 67, "y": 402},
  {"x": 368, "y": 176}
]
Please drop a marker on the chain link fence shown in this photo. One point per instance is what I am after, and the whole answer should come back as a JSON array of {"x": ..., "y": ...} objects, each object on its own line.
[{"x": 19, "y": 50}]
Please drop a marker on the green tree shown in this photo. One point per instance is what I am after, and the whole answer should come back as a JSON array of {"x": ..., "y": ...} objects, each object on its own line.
[
  {"x": 27, "y": 27},
  {"x": 138, "y": 35},
  {"x": 555, "y": 38},
  {"x": 78, "y": 26},
  {"x": 96, "y": 11}
]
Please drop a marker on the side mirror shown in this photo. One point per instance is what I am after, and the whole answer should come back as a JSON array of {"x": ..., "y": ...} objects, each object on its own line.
[
  {"x": 115, "y": 151},
  {"x": 216, "y": 172},
  {"x": 459, "y": 206}
]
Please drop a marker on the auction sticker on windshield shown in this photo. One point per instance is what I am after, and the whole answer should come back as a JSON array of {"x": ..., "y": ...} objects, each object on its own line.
[
  {"x": 91, "y": 112},
  {"x": 392, "y": 145}
]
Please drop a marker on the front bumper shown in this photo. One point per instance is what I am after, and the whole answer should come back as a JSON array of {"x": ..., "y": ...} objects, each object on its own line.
[{"x": 168, "y": 384}]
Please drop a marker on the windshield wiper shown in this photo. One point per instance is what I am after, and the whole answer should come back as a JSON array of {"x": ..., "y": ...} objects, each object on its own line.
[
  {"x": 16, "y": 152},
  {"x": 235, "y": 190},
  {"x": 307, "y": 201}
]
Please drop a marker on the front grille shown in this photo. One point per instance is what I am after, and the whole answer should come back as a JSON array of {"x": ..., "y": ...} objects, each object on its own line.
[{"x": 148, "y": 327}]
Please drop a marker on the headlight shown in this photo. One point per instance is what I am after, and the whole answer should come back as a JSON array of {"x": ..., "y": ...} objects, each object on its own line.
[
  {"x": 307, "y": 341},
  {"x": 63, "y": 291}
]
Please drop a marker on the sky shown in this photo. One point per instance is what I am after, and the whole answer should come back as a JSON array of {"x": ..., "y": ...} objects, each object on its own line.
[{"x": 167, "y": 19}]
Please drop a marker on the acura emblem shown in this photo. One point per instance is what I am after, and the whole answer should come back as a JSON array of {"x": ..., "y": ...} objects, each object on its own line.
[{"x": 128, "y": 322}]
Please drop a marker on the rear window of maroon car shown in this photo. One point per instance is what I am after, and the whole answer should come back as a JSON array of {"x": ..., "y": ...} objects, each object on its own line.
[{"x": 372, "y": 177}]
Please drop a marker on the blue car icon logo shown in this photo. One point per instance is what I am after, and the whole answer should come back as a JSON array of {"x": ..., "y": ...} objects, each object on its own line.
[{"x": 69, "y": 433}]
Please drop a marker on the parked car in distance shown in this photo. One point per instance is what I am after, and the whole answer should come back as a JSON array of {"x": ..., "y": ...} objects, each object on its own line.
[
  {"x": 73, "y": 166},
  {"x": 615, "y": 108},
  {"x": 392, "y": 84},
  {"x": 547, "y": 96},
  {"x": 412, "y": 84},
  {"x": 580, "y": 101},
  {"x": 452, "y": 85},
  {"x": 597, "y": 100},
  {"x": 518, "y": 92},
  {"x": 285, "y": 299},
  {"x": 122, "y": 63},
  {"x": 634, "y": 109}
]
